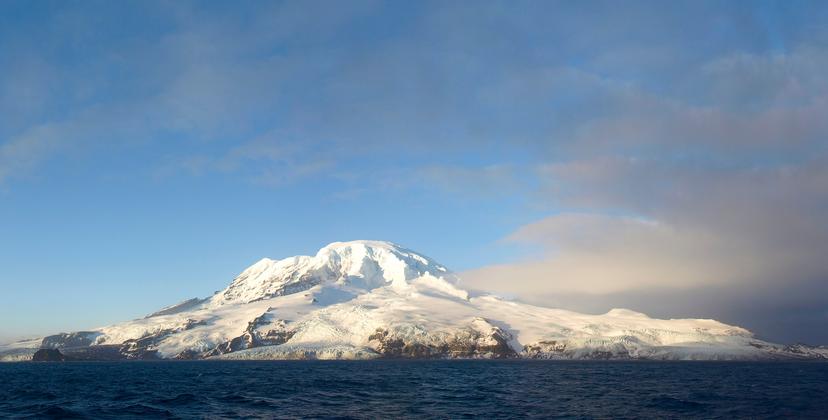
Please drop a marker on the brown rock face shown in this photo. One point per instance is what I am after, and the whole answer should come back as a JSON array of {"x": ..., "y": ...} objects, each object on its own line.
[
  {"x": 393, "y": 347},
  {"x": 467, "y": 343},
  {"x": 543, "y": 349}
]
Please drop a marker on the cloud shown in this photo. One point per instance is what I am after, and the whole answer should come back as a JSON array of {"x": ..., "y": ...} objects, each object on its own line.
[
  {"x": 667, "y": 127},
  {"x": 191, "y": 78},
  {"x": 596, "y": 254},
  {"x": 25, "y": 151},
  {"x": 426, "y": 88},
  {"x": 749, "y": 81},
  {"x": 596, "y": 262},
  {"x": 707, "y": 199},
  {"x": 272, "y": 159},
  {"x": 675, "y": 239},
  {"x": 464, "y": 181}
]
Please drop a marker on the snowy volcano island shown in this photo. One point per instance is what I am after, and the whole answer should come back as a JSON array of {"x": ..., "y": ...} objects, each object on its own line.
[{"x": 370, "y": 299}]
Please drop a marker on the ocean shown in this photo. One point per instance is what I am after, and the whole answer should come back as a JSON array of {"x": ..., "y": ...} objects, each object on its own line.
[{"x": 413, "y": 389}]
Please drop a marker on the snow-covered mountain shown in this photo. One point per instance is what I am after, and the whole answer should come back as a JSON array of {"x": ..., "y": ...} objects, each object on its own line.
[{"x": 370, "y": 299}]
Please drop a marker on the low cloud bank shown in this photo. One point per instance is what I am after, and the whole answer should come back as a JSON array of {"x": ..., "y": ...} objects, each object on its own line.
[{"x": 745, "y": 247}]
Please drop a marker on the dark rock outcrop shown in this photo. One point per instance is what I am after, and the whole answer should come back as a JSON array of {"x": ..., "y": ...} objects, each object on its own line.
[
  {"x": 466, "y": 343},
  {"x": 543, "y": 349},
  {"x": 104, "y": 352},
  {"x": 254, "y": 337},
  {"x": 562, "y": 350},
  {"x": 807, "y": 352},
  {"x": 145, "y": 348},
  {"x": 188, "y": 355},
  {"x": 389, "y": 345},
  {"x": 48, "y": 355}
]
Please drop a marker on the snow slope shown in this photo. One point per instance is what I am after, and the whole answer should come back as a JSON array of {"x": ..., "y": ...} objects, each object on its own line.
[{"x": 369, "y": 299}]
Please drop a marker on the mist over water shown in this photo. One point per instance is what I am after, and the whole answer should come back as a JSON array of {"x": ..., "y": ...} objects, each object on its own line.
[{"x": 413, "y": 389}]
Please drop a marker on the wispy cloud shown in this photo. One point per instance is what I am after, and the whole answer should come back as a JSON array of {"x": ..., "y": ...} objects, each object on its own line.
[
  {"x": 25, "y": 151},
  {"x": 270, "y": 159}
]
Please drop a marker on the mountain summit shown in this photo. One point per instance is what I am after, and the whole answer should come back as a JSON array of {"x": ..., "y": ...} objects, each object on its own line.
[
  {"x": 370, "y": 299},
  {"x": 355, "y": 266}
]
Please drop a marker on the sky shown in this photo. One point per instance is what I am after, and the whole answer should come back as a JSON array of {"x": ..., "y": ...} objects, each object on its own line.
[{"x": 670, "y": 158}]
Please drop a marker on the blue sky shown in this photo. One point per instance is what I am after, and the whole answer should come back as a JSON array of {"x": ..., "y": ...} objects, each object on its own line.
[{"x": 149, "y": 151}]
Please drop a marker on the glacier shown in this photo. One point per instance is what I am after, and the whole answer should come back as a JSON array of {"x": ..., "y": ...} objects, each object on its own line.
[{"x": 374, "y": 299}]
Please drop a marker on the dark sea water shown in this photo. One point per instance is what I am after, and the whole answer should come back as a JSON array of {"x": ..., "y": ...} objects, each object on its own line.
[{"x": 413, "y": 389}]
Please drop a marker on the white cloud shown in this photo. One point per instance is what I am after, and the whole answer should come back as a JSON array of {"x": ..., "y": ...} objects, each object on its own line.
[
  {"x": 593, "y": 254},
  {"x": 22, "y": 153}
]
